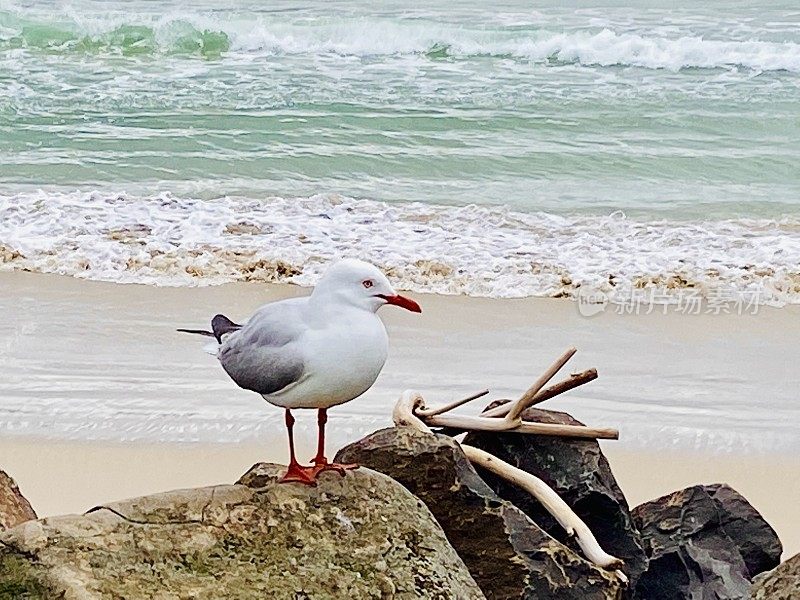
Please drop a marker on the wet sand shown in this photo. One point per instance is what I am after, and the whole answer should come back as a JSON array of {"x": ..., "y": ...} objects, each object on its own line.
[
  {"x": 101, "y": 399},
  {"x": 87, "y": 360}
]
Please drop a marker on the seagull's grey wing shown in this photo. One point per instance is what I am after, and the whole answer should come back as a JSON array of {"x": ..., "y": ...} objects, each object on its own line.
[{"x": 264, "y": 356}]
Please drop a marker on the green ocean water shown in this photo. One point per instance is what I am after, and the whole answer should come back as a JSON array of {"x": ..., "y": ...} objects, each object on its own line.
[
  {"x": 683, "y": 120},
  {"x": 680, "y": 111}
]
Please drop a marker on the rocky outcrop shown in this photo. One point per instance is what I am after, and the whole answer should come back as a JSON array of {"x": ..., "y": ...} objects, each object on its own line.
[
  {"x": 14, "y": 508},
  {"x": 579, "y": 472},
  {"x": 756, "y": 540},
  {"x": 782, "y": 583},
  {"x": 361, "y": 536},
  {"x": 704, "y": 542},
  {"x": 507, "y": 554}
]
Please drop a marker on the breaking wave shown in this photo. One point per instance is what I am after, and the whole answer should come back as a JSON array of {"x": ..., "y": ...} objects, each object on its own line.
[
  {"x": 473, "y": 250},
  {"x": 365, "y": 37}
]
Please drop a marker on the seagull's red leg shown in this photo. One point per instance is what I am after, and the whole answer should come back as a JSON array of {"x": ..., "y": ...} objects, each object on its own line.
[
  {"x": 320, "y": 462},
  {"x": 322, "y": 418},
  {"x": 296, "y": 472}
]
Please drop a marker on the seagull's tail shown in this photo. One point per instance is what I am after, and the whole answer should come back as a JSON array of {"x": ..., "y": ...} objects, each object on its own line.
[{"x": 211, "y": 348}]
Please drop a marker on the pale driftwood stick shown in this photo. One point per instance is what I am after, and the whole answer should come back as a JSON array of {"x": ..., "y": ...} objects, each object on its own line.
[
  {"x": 466, "y": 422},
  {"x": 572, "y": 431},
  {"x": 429, "y": 412},
  {"x": 404, "y": 416},
  {"x": 528, "y": 397},
  {"x": 573, "y": 381},
  {"x": 572, "y": 523},
  {"x": 403, "y": 412}
]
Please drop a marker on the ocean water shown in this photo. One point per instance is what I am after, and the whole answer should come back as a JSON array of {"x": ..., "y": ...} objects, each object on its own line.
[{"x": 496, "y": 150}]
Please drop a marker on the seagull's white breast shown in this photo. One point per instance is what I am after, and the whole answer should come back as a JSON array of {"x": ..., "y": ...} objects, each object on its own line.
[{"x": 343, "y": 354}]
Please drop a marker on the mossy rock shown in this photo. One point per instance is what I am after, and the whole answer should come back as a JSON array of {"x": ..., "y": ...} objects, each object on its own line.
[
  {"x": 18, "y": 580},
  {"x": 358, "y": 536}
]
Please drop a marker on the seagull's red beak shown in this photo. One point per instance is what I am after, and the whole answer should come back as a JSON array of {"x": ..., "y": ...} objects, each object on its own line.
[{"x": 402, "y": 302}]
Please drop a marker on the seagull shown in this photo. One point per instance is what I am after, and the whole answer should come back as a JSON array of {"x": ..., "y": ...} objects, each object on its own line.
[{"x": 312, "y": 352}]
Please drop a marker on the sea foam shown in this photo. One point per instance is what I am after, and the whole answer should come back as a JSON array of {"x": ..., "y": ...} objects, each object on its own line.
[{"x": 474, "y": 250}]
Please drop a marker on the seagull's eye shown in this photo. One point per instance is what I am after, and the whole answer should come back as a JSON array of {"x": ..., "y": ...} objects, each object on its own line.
[{"x": 367, "y": 283}]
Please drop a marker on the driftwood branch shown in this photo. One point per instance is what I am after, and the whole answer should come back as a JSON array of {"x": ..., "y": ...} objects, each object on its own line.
[
  {"x": 467, "y": 423},
  {"x": 405, "y": 414},
  {"x": 507, "y": 417},
  {"x": 530, "y": 394},
  {"x": 572, "y": 523},
  {"x": 534, "y": 395},
  {"x": 430, "y": 412},
  {"x": 573, "y": 381},
  {"x": 404, "y": 411}
]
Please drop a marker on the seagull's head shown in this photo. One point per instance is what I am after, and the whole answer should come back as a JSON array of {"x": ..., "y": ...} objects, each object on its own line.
[{"x": 361, "y": 284}]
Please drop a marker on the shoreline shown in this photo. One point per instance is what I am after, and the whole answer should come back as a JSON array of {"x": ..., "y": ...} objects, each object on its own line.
[{"x": 483, "y": 250}]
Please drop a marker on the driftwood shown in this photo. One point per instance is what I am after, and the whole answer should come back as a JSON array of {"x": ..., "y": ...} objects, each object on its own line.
[
  {"x": 572, "y": 523},
  {"x": 411, "y": 411},
  {"x": 529, "y": 396},
  {"x": 506, "y": 417},
  {"x": 431, "y": 412},
  {"x": 571, "y": 382},
  {"x": 404, "y": 415},
  {"x": 459, "y": 422}
]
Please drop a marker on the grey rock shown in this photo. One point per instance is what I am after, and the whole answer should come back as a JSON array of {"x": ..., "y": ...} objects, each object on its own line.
[
  {"x": 782, "y": 583},
  {"x": 14, "y": 507},
  {"x": 358, "y": 536},
  {"x": 757, "y": 541},
  {"x": 578, "y": 471},
  {"x": 506, "y": 553},
  {"x": 691, "y": 555}
]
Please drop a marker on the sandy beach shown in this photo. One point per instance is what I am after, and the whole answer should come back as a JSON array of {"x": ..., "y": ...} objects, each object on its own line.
[{"x": 103, "y": 400}]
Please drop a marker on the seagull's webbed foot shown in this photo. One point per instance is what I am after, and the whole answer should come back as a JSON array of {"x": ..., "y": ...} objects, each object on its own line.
[
  {"x": 297, "y": 473},
  {"x": 341, "y": 468},
  {"x": 321, "y": 463}
]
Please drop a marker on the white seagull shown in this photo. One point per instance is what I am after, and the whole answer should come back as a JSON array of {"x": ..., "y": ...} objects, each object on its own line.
[{"x": 315, "y": 351}]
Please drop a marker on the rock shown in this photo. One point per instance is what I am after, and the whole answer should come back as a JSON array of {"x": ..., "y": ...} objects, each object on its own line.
[
  {"x": 757, "y": 541},
  {"x": 579, "y": 472},
  {"x": 506, "y": 553},
  {"x": 14, "y": 508},
  {"x": 361, "y": 536},
  {"x": 691, "y": 554},
  {"x": 782, "y": 583}
]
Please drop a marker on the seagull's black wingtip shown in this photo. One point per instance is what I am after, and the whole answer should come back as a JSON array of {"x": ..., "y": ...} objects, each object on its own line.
[{"x": 221, "y": 325}]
